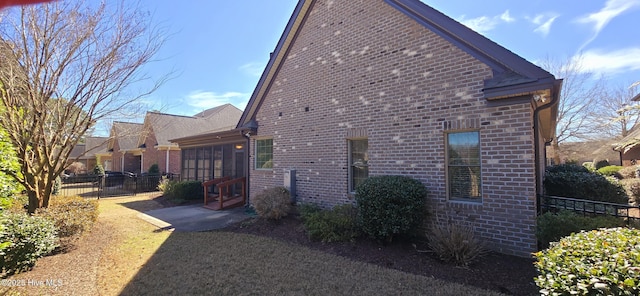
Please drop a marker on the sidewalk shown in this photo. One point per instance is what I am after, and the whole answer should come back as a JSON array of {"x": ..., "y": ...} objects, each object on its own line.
[{"x": 192, "y": 218}]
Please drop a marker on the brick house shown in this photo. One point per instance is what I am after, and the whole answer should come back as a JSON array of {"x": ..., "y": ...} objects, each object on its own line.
[
  {"x": 89, "y": 152},
  {"x": 134, "y": 147},
  {"x": 126, "y": 154},
  {"x": 394, "y": 87},
  {"x": 628, "y": 146}
]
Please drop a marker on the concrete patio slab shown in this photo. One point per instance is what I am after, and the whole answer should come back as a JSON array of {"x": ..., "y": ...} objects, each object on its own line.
[{"x": 192, "y": 218}]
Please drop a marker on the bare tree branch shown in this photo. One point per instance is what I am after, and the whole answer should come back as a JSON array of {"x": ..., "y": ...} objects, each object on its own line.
[{"x": 65, "y": 66}]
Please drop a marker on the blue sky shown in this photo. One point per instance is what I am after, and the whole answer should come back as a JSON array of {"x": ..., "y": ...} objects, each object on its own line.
[{"x": 218, "y": 49}]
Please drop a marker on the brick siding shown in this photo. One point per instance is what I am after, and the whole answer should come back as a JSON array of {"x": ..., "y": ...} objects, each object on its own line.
[{"x": 364, "y": 68}]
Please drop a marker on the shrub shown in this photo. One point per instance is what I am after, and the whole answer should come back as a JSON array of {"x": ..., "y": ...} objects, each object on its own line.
[
  {"x": 628, "y": 172},
  {"x": 29, "y": 238},
  {"x": 390, "y": 205},
  {"x": 632, "y": 187},
  {"x": 612, "y": 171},
  {"x": 98, "y": 170},
  {"x": 601, "y": 163},
  {"x": 184, "y": 190},
  {"x": 72, "y": 216},
  {"x": 597, "y": 262},
  {"x": 154, "y": 169},
  {"x": 165, "y": 186},
  {"x": 273, "y": 203},
  {"x": 566, "y": 168},
  {"x": 57, "y": 185},
  {"x": 583, "y": 185},
  {"x": 456, "y": 243},
  {"x": 589, "y": 166},
  {"x": 335, "y": 225},
  {"x": 551, "y": 227}
]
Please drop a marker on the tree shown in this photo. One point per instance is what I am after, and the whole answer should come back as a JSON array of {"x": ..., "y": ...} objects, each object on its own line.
[
  {"x": 616, "y": 113},
  {"x": 9, "y": 165},
  {"x": 579, "y": 91},
  {"x": 90, "y": 55}
]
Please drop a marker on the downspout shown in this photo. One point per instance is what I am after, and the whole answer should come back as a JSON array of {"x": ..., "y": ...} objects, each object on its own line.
[
  {"x": 555, "y": 98},
  {"x": 247, "y": 136}
]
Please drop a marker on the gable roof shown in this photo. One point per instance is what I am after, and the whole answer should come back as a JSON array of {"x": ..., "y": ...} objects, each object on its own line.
[
  {"x": 126, "y": 133},
  {"x": 169, "y": 126},
  {"x": 513, "y": 75}
]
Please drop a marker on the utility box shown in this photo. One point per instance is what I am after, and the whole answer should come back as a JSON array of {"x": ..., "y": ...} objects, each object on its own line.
[{"x": 290, "y": 183}]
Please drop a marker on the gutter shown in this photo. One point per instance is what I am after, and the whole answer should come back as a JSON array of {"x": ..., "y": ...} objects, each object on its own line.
[{"x": 555, "y": 99}]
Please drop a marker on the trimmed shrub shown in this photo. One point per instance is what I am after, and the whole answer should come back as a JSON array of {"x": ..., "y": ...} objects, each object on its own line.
[
  {"x": 272, "y": 203},
  {"x": 601, "y": 163},
  {"x": 390, "y": 205},
  {"x": 597, "y": 262},
  {"x": 583, "y": 185},
  {"x": 589, "y": 166},
  {"x": 98, "y": 170},
  {"x": 612, "y": 171},
  {"x": 551, "y": 227},
  {"x": 566, "y": 168},
  {"x": 154, "y": 169},
  {"x": 335, "y": 225},
  {"x": 628, "y": 172},
  {"x": 632, "y": 187},
  {"x": 72, "y": 216},
  {"x": 29, "y": 238},
  {"x": 182, "y": 190},
  {"x": 456, "y": 243}
]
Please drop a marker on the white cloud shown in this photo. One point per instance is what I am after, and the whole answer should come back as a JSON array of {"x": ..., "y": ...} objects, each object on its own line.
[
  {"x": 253, "y": 69},
  {"x": 507, "y": 17},
  {"x": 600, "y": 19},
  {"x": 203, "y": 100},
  {"x": 484, "y": 24},
  {"x": 612, "y": 62},
  {"x": 543, "y": 22}
]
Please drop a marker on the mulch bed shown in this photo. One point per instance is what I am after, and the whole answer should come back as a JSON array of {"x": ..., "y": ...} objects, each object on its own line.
[{"x": 507, "y": 274}]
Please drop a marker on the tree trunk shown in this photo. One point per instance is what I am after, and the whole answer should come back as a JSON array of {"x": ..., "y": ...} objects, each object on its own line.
[{"x": 555, "y": 151}]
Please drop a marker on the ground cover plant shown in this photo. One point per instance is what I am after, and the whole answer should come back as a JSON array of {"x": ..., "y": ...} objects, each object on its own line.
[{"x": 597, "y": 262}]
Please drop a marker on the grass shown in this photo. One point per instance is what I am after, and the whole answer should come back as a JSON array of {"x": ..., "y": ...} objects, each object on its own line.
[{"x": 125, "y": 256}]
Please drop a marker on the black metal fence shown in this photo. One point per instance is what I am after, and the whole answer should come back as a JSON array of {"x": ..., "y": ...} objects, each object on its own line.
[
  {"x": 629, "y": 213},
  {"x": 110, "y": 184}
]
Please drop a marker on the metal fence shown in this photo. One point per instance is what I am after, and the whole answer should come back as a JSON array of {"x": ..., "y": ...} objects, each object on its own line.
[
  {"x": 630, "y": 213},
  {"x": 110, "y": 184}
]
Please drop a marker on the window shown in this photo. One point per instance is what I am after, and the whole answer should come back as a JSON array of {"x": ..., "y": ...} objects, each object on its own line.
[
  {"x": 463, "y": 166},
  {"x": 358, "y": 162},
  {"x": 264, "y": 154}
]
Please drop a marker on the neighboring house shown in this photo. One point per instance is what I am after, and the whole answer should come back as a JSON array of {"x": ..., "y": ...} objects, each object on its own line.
[
  {"x": 394, "y": 87},
  {"x": 160, "y": 127},
  {"x": 134, "y": 147},
  {"x": 589, "y": 151},
  {"x": 629, "y": 146},
  {"x": 126, "y": 154},
  {"x": 89, "y": 152}
]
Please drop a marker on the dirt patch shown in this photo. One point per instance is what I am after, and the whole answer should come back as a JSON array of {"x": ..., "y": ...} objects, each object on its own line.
[{"x": 507, "y": 274}]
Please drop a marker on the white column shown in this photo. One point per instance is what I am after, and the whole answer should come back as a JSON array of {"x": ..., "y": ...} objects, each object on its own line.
[{"x": 166, "y": 165}]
